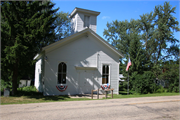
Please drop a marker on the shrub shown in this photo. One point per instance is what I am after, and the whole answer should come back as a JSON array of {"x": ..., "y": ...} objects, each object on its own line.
[
  {"x": 144, "y": 83},
  {"x": 123, "y": 86},
  {"x": 5, "y": 84},
  {"x": 28, "y": 90},
  {"x": 174, "y": 84},
  {"x": 161, "y": 89}
]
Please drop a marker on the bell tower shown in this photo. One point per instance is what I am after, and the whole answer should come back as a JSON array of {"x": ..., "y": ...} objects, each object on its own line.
[{"x": 83, "y": 18}]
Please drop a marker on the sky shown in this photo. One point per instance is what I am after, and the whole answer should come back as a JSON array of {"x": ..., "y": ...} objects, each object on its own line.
[{"x": 120, "y": 10}]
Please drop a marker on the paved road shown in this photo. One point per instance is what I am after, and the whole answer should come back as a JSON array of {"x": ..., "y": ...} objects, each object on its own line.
[{"x": 146, "y": 108}]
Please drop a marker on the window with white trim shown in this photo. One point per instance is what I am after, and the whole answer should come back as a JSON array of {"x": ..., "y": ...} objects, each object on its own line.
[
  {"x": 62, "y": 73},
  {"x": 105, "y": 74},
  {"x": 86, "y": 21}
]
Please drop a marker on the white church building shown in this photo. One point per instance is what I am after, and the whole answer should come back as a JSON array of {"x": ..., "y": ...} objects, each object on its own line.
[{"x": 79, "y": 63}]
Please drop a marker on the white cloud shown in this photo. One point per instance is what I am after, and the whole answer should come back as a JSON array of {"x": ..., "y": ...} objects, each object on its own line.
[{"x": 105, "y": 17}]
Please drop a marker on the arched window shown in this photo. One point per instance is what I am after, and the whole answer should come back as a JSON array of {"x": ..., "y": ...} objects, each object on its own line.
[
  {"x": 105, "y": 74},
  {"x": 62, "y": 73}
]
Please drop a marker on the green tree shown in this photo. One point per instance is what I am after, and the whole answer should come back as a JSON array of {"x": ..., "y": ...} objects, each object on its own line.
[
  {"x": 146, "y": 41},
  {"x": 170, "y": 74},
  {"x": 156, "y": 30},
  {"x": 147, "y": 29},
  {"x": 144, "y": 83},
  {"x": 137, "y": 57},
  {"x": 117, "y": 34},
  {"x": 165, "y": 24},
  {"x": 25, "y": 27},
  {"x": 136, "y": 53},
  {"x": 63, "y": 24},
  {"x": 141, "y": 77}
]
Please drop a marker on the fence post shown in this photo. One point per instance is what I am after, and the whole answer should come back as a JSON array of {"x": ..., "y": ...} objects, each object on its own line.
[
  {"x": 98, "y": 93},
  {"x": 91, "y": 94},
  {"x": 106, "y": 94},
  {"x": 112, "y": 94}
]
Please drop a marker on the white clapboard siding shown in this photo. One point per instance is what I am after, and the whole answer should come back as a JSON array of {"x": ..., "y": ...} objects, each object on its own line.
[
  {"x": 80, "y": 22},
  {"x": 80, "y": 52},
  {"x": 93, "y": 23}
]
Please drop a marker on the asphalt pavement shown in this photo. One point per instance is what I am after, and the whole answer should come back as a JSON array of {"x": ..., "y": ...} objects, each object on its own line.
[{"x": 145, "y": 108}]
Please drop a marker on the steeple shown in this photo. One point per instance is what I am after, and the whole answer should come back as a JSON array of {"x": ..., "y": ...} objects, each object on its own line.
[{"x": 83, "y": 18}]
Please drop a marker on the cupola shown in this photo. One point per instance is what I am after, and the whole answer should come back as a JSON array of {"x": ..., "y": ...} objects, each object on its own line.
[{"x": 83, "y": 18}]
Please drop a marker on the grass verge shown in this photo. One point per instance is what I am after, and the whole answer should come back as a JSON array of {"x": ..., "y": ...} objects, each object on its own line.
[{"x": 124, "y": 95}]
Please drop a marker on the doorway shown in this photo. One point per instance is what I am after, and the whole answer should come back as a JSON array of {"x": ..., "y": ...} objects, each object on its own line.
[{"x": 86, "y": 81}]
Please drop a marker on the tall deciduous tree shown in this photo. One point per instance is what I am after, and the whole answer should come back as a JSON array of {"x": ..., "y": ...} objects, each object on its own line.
[
  {"x": 118, "y": 34},
  {"x": 25, "y": 27},
  {"x": 147, "y": 28},
  {"x": 165, "y": 24},
  {"x": 63, "y": 24}
]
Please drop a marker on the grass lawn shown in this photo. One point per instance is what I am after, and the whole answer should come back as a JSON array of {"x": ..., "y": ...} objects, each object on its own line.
[
  {"x": 24, "y": 97},
  {"x": 36, "y": 99}
]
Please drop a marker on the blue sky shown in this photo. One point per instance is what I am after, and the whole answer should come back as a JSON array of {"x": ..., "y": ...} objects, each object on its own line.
[{"x": 115, "y": 10}]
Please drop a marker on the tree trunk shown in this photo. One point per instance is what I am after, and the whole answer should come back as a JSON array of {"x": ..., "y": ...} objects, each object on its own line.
[{"x": 14, "y": 79}]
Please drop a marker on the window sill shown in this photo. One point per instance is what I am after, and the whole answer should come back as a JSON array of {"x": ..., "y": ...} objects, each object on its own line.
[
  {"x": 62, "y": 84},
  {"x": 106, "y": 84}
]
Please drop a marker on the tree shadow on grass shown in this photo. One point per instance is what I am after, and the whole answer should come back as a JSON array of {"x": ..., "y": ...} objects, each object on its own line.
[
  {"x": 38, "y": 95},
  {"x": 124, "y": 93}
]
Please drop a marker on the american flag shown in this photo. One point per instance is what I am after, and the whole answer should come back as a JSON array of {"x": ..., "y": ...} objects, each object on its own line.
[{"x": 129, "y": 64}]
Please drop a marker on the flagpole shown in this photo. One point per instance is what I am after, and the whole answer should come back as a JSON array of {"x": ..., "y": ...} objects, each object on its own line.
[{"x": 128, "y": 83}]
